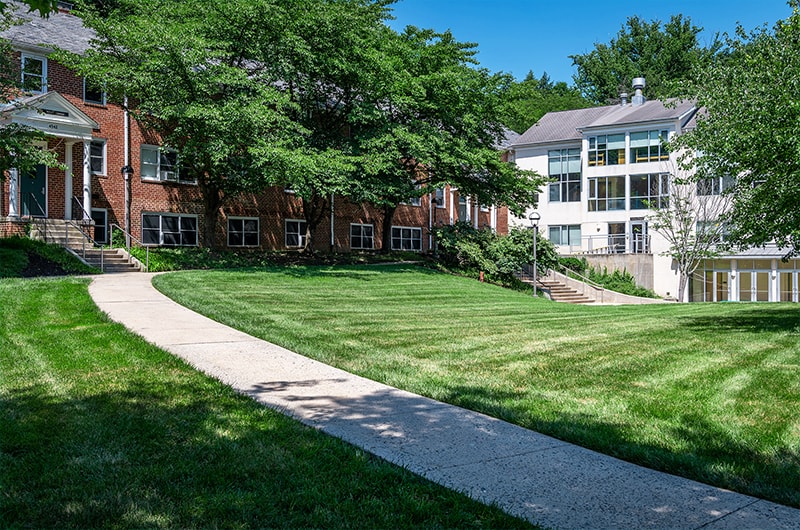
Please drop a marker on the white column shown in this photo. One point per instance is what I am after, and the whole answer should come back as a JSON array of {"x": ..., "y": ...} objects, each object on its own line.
[
  {"x": 13, "y": 193},
  {"x": 452, "y": 200},
  {"x": 775, "y": 292},
  {"x": 68, "y": 181},
  {"x": 493, "y": 218},
  {"x": 87, "y": 182},
  {"x": 734, "y": 283}
]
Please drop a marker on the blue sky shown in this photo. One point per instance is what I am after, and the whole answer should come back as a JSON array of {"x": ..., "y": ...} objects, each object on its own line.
[{"x": 516, "y": 36}]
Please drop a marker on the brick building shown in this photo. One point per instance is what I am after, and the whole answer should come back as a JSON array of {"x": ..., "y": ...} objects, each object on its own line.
[{"x": 95, "y": 139}]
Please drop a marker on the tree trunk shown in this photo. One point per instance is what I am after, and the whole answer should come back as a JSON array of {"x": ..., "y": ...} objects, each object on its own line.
[
  {"x": 386, "y": 234},
  {"x": 212, "y": 201},
  {"x": 314, "y": 210},
  {"x": 682, "y": 281}
]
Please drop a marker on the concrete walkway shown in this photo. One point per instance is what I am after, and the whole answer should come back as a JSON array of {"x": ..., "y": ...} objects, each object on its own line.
[{"x": 535, "y": 477}]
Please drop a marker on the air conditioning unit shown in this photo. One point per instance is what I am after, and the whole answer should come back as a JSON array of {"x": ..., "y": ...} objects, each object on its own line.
[{"x": 169, "y": 175}]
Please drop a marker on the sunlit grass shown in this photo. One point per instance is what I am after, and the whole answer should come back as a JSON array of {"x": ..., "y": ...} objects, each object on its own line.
[
  {"x": 707, "y": 391},
  {"x": 99, "y": 429}
]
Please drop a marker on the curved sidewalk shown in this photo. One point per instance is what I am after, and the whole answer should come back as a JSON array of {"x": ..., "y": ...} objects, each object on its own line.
[{"x": 532, "y": 476}]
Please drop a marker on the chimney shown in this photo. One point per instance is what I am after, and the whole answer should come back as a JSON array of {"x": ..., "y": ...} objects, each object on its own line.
[
  {"x": 638, "y": 97},
  {"x": 623, "y": 99}
]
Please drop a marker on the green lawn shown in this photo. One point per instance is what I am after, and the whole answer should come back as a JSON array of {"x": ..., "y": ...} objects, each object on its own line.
[
  {"x": 706, "y": 391},
  {"x": 99, "y": 429}
]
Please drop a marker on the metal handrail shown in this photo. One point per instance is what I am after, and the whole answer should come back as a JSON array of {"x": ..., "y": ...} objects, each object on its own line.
[
  {"x": 86, "y": 237},
  {"x": 571, "y": 273},
  {"x": 128, "y": 238}
]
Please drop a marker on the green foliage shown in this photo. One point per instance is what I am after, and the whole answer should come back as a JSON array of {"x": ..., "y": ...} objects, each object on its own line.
[
  {"x": 530, "y": 99},
  {"x": 16, "y": 247},
  {"x": 620, "y": 282},
  {"x": 663, "y": 55},
  {"x": 750, "y": 129},
  {"x": 579, "y": 265},
  {"x": 501, "y": 258}
]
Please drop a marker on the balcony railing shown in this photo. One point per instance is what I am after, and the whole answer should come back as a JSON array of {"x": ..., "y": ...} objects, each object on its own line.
[{"x": 613, "y": 244}]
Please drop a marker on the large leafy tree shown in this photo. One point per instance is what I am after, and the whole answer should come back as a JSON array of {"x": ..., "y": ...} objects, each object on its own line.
[
  {"x": 17, "y": 143},
  {"x": 434, "y": 120},
  {"x": 530, "y": 99},
  {"x": 750, "y": 129},
  {"x": 196, "y": 71},
  {"x": 662, "y": 53}
]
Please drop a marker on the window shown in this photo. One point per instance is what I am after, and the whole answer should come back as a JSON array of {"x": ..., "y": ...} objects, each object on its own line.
[
  {"x": 564, "y": 170},
  {"x": 34, "y": 74},
  {"x": 295, "y": 233},
  {"x": 169, "y": 229},
  {"x": 361, "y": 236},
  {"x": 714, "y": 185},
  {"x": 440, "y": 198},
  {"x": 404, "y": 238},
  {"x": 243, "y": 232},
  {"x": 649, "y": 191},
  {"x": 648, "y": 146},
  {"x": 160, "y": 164},
  {"x": 718, "y": 230},
  {"x": 93, "y": 94},
  {"x": 97, "y": 157},
  {"x": 606, "y": 193},
  {"x": 565, "y": 235},
  {"x": 607, "y": 150}
]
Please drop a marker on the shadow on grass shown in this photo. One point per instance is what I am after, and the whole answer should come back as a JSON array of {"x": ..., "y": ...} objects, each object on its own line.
[
  {"x": 193, "y": 454},
  {"x": 750, "y": 318}
]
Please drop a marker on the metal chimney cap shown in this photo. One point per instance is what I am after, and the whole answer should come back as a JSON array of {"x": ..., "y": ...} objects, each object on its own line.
[{"x": 638, "y": 82}]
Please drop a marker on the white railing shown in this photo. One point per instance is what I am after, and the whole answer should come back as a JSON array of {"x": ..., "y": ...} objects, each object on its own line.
[{"x": 613, "y": 244}]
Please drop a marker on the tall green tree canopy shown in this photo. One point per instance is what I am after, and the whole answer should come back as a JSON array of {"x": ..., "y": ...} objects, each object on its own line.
[
  {"x": 530, "y": 99},
  {"x": 434, "y": 120},
  {"x": 750, "y": 129},
  {"x": 196, "y": 72},
  {"x": 661, "y": 53}
]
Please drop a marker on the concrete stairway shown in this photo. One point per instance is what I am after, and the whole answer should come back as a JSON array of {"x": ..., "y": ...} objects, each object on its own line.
[
  {"x": 70, "y": 236},
  {"x": 559, "y": 292}
]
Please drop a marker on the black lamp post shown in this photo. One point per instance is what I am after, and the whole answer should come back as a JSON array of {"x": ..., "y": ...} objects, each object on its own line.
[{"x": 127, "y": 172}]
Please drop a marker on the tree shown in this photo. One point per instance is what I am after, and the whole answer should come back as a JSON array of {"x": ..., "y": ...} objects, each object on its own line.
[
  {"x": 434, "y": 121},
  {"x": 692, "y": 220},
  {"x": 750, "y": 129},
  {"x": 17, "y": 142},
  {"x": 196, "y": 72},
  {"x": 530, "y": 99},
  {"x": 661, "y": 54}
]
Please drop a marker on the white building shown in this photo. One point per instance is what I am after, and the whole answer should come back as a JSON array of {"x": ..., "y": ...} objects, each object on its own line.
[{"x": 606, "y": 166}]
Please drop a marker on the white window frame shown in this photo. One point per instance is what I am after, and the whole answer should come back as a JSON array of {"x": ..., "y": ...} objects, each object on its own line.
[
  {"x": 161, "y": 175},
  {"x": 441, "y": 198},
  {"x": 657, "y": 192},
  {"x": 596, "y": 200},
  {"x": 649, "y": 149},
  {"x": 300, "y": 233},
  {"x": 564, "y": 235},
  {"x": 244, "y": 232},
  {"x": 43, "y": 85},
  {"x": 101, "y": 101},
  {"x": 563, "y": 181},
  {"x": 360, "y": 227},
  {"x": 405, "y": 238},
  {"x": 103, "y": 167},
  {"x": 161, "y": 232}
]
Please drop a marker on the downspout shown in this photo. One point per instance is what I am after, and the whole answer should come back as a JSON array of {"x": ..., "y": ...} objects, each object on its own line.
[
  {"x": 333, "y": 233},
  {"x": 126, "y": 176}
]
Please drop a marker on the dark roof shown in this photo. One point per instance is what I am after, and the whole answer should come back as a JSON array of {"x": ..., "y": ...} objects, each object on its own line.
[
  {"x": 510, "y": 137},
  {"x": 568, "y": 125},
  {"x": 59, "y": 30}
]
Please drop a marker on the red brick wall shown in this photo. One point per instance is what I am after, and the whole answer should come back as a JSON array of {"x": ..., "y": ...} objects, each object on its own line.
[{"x": 272, "y": 207}]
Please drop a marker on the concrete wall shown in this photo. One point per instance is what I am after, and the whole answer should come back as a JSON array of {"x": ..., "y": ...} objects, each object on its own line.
[{"x": 639, "y": 265}]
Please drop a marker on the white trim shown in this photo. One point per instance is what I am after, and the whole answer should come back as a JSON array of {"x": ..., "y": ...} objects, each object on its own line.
[
  {"x": 372, "y": 238},
  {"x": 104, "y": 170},
  {"x": 68, "y": 180},
  {"x": 414, "y": 230},
  {"x": 87, "y": 182},
  {"x": 301, "y": 234},
  {"x": 43, "y": 59},
  {"x": 161, "y": 216},
  {"x": 102, "y": 101}
]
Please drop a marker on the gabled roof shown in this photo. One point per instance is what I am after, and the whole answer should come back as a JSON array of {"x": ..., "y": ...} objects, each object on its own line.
[
  {"x": 567, "y": 125},
  {"x": 59, "y": 30},
  {"x": 51, "y": 113}
]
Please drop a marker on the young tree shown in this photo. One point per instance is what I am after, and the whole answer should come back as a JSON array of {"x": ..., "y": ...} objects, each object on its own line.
[
  {"x": 692, "y": 219},
  {"x": 196, "y": 72},
  {"x": 435, "y": 121},
  {"x": 750, "y": 129},
  {"x": 662, "y": 54}
]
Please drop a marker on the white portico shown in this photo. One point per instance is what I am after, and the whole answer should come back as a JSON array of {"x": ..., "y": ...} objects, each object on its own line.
[{"x": 54, "y": 115}]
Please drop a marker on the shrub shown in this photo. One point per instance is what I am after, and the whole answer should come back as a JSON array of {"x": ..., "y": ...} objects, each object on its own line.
[
  {"x": 470, "y": 251},
  {"x": 621, "y": 282},
  {"x": 16, "y": 245}
]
